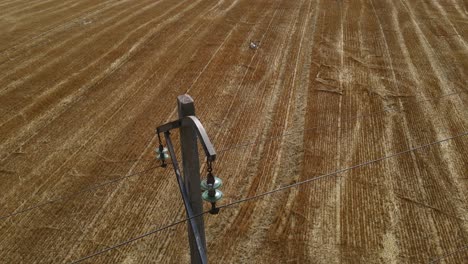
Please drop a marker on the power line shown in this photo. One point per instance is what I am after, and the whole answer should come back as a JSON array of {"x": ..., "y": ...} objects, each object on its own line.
[
  {"x": 346, "y": 169},
  {"x": 84, "y": 190},
  {"x": 67, "y": 197},
  {"x": 221, "y": 151},
  {"x": 356, "y": 117},
  {"x": 136, "y": 238},
  {"x": 449, "y": 254},
  {"x": 278, "y": 190}
]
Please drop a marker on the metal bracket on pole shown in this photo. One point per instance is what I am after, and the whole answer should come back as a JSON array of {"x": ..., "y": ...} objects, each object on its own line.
[{"x": 194, "y": 122}]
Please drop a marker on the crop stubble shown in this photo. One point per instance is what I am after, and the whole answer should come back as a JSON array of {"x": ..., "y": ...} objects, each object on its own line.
[{"x": 83, "y": 84}]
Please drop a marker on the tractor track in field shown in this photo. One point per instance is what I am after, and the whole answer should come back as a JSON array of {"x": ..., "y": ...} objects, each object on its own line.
[{"x": 332, "y": 84}]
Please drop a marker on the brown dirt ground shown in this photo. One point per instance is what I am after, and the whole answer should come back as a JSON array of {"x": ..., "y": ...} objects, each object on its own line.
[{"x": 84, "y": 83}]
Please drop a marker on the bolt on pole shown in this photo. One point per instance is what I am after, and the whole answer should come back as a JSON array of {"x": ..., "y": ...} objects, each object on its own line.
[{"x": 191, "y": 171}]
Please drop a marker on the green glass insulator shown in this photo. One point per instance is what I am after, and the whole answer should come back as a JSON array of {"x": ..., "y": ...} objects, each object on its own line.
[
  {"x": 217, "y": 184},
  {"x": 218, "y": 195},
  {"x": 163, "y": 156},
  {"x": 164, "y": 150}
]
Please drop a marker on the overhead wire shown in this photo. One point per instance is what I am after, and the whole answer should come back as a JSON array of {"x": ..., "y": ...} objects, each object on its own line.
[
  {"x": 243, "y": 145},
  {"x": 346, "y": 169},
  {"x": 449, "y": 254},
  {"x": 74, "y": 194},
  {"x": 275, "y": 191},
  {"x": 356, "y": 117},
  {"x": 85, "y": 190},
  {"x": 126, "y": 242},
  {"x": 97, "y": 186}
]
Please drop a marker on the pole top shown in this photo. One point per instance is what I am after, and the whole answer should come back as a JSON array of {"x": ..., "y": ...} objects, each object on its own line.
[
  {"x": 185, "y": 105},
  {"x": 185, "y": 99}
]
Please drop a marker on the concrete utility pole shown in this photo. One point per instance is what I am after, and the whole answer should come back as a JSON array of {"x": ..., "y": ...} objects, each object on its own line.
[
  {"x": 192, "y": 130},
  {"x": 191, "y": 170}
]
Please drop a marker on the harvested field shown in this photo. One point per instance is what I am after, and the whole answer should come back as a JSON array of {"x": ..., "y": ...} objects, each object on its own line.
[{"x": 334, "y": 85}]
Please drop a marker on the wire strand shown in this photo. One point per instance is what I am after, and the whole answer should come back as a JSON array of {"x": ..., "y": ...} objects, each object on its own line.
[
  {"x": 449, "y": 254},
  {"x": 67, "y": 197},
  {"x": 136, "y": 238},
  {"x": 221, "y": 151},
  {"x": 356, "y": 117},
  {"x": 275, "y": 191},
  {"x": 243, "y": 145},
  {"x": 346, "y": 169}
]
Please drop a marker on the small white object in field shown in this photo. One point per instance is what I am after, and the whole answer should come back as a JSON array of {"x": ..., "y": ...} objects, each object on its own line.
[
  {"x": 85, "y": 22},
  {"x": 254, "y": 45}
]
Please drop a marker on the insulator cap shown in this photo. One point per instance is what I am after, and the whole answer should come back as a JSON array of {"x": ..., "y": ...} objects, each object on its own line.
[
  {"x": 217, "y": 184},
  {"x": 218, "y": 195},
  {"x": 163, "y": 156},
  {"x": 159, "y": 152}
]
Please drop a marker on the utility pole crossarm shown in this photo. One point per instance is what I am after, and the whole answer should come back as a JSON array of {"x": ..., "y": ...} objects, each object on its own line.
[{"x": 192, "y": 121}]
